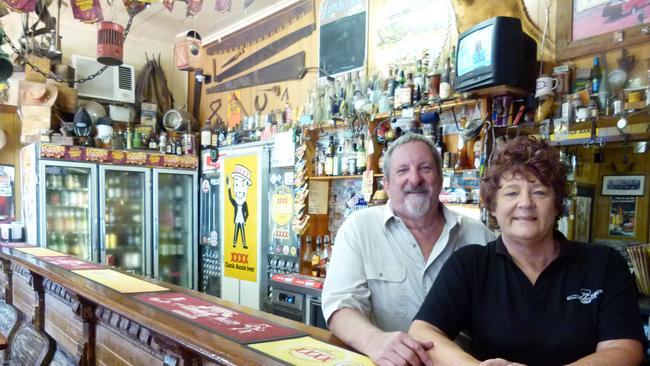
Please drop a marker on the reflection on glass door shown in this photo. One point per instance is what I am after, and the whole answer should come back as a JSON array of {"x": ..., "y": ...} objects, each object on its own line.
[
  {"x": 68, "y": 210},
  {"x": 124, "y": 218},
  {"x": 175, "y": 212}
]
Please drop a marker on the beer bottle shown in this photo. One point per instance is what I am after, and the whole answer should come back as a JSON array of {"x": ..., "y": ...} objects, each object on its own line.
[
  {"x": 306, "y": 257},
  {"x": 206, "y": 135}
]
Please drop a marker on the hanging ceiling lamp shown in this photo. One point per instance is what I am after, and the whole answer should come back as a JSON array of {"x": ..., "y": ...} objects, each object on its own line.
[{"x": 110, "y": 43}]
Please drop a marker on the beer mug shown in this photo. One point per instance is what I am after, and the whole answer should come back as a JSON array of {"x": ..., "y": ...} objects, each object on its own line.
[{"x": 545, "y": 85}]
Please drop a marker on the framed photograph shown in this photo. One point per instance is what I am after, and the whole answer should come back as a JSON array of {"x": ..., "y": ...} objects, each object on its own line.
[
  {"x": 623, "y": 185},
  {"x": 587, "y": 27}
]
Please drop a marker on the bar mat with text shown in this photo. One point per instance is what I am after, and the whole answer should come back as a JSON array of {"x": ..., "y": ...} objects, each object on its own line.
[
  {"x": 236, "y": 326},
  {"x": 308, "y": 351}
]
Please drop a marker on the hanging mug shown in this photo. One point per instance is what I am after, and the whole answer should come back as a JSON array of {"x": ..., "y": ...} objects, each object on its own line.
[{"x": 545, "y": 86}]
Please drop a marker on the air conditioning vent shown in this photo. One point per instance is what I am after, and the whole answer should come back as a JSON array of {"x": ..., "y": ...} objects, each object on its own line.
[{"x": 126, "y": 78}]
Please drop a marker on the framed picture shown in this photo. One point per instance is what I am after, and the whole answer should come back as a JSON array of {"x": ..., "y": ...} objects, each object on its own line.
[
  {"x": 588, "y": 27},
  {"x": 623, "y": 185}
]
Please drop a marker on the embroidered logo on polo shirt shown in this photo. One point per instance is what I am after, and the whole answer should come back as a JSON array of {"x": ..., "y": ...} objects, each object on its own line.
[{"x": 585, "y": 296}]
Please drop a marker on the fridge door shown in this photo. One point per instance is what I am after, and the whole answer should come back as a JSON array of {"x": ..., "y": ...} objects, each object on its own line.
[
  {"x": 67, "y": 193},
  {"x": 124, "y": 201},
  {"x": 244, "y": 223},
  {"x": 175, "y": 221}
]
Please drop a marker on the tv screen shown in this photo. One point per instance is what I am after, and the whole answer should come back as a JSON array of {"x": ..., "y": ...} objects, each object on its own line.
[
  {"x": 495, "y": 52},
  {"x": 475, "y": 50}
]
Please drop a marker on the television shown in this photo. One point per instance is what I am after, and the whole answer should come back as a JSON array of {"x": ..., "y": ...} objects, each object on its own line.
[{"x": 495, "y": 52}]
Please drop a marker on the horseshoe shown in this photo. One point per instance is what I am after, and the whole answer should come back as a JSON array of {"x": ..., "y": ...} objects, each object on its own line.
[{"x": 257, "y": 103}]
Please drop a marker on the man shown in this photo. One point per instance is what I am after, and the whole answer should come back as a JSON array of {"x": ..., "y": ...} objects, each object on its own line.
[
  {"x": 242, "y": 179},
  {"x": 387, "y": 257}
]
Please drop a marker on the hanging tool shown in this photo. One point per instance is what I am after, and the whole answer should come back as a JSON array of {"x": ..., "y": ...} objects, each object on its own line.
[
  {"x": 282, "y": 70},
  {"x": 265, "y": 52}
]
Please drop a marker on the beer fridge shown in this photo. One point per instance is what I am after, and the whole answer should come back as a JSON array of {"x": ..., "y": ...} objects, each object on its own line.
[{"x": 137, "y": 218}]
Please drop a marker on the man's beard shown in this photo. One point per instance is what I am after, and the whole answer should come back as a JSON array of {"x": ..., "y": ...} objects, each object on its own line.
[{"x": 416, "y": 202}]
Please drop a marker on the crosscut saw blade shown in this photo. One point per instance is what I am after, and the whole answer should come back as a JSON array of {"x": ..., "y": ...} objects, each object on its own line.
[
  {"x": 283, "y": 70},
  {"x": 266, "y": 52},
  {"x": 262, "y": 29}
]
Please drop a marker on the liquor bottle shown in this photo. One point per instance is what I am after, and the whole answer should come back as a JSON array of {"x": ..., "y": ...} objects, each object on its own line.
[
  {"x": 381, "y": 159},
  {"x": 129, "y": 137},
  {"x": 596, "y": 75},
  {"x": 352, "y": 160},
  {"x": 178, "y": 147},
  {"x": 306, "y": 257},
  {"x": 170, "y": 148},
  {"x": 392, "y": 83},
  {"x": 362, "y": 158},
  {"x": 206, "y": 135},
  {"x": 215, "y": 136},
  {"x": 315, "y": 258},
  {"x": 329, "y": 156},
  {"x": 463, "y": 161},
  {"x": 162, "y": 144},
  {"x": 445, "y": 88},
  {"x": 324, "y": 259},
  {"x": 411, "y": 86}
]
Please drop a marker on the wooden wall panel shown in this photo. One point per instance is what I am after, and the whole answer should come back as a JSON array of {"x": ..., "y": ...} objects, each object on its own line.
[
  {"x": 114, "y": 350},
  {"x": 62, "y": 325},
  {"x": 23, "y": 296}
]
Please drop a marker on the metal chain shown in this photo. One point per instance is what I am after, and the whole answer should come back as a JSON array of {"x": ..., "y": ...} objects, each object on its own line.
[{"x": 52, "y": 76}]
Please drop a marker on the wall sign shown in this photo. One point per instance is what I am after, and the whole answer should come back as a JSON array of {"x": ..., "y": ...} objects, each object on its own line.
[{"x": 343, "y": 35}]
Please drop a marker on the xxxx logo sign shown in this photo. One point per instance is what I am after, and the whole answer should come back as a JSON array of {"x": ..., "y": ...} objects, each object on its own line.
[{"x": 239, "y": 258}]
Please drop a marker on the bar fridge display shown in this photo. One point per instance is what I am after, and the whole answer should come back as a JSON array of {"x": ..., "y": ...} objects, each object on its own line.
[
  {"x": 124, "y": 200},
  {"x": 175, "y": 216},
  {"x": 67, "y": 212}
]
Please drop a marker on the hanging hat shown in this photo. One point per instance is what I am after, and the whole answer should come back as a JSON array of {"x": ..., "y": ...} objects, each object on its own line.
[{"x": 32, "y": 93}]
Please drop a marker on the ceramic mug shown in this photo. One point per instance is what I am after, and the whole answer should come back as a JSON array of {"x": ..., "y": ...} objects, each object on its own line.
[{"x": 545, "y": 85}]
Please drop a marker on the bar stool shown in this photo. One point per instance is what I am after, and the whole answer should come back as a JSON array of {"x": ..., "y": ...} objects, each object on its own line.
[
  {"x": 9, "y": 319},
  {"x": 30, "y": 346}
]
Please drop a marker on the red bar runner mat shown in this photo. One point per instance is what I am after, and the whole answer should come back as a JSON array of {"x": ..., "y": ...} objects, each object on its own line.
[
  {"x": 15, "y": 245},
  {"x": 238, "y": 327},
  {"x": 70, "y": 263}
]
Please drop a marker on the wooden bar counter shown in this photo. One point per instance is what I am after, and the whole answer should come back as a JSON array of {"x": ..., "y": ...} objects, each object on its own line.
[{"x": 97, "y": 325}]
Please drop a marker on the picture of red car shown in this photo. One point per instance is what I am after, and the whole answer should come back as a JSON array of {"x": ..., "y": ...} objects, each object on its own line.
[{"x": 618, "y": 8}]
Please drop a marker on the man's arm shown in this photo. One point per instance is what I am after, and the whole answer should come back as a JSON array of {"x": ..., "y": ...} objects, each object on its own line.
[
  {"x": 384, "y": 348},
  {"x": 623, "y": 352},
  {"x": 445, "y": 352}
]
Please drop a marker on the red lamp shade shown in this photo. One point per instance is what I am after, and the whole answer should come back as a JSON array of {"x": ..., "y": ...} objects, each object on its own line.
[{"x": 110, "y": 43}]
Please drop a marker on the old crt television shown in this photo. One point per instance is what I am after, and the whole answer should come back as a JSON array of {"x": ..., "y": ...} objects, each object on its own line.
[{"x": 495, "y": 52}]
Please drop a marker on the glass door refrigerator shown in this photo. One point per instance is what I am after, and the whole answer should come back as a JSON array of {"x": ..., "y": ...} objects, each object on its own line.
[
  {"x": 125, "y": 219},
  {"x": 175, "y": 218},
  {"x": 66, "y": 192}
]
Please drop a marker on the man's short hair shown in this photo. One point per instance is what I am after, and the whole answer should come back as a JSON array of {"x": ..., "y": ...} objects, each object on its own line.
[{"x": 405, "y": 139}]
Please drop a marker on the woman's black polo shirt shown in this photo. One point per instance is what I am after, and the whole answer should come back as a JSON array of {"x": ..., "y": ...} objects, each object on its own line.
[{"x": 586, "y": 295}]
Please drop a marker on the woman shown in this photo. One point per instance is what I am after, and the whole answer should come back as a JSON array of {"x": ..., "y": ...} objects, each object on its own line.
[{"x": 531, "y": 297}]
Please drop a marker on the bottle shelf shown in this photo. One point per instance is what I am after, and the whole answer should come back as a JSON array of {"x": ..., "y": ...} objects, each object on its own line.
[
  {"x": 340, "y": 177},
  {"x": 429, "y": 108}
]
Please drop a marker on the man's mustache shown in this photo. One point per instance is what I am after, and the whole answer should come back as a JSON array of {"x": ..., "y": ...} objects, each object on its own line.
[{"x": 418, "y": 189}]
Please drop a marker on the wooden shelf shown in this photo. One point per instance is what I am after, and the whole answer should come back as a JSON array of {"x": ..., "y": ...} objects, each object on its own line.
[
  {"x": 340, "y": 177},
  {"x": 498, "y": 90},
  {"x": 429, "y": 108}
]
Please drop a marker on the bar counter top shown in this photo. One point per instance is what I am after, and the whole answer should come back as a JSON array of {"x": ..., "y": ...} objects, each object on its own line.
[{"x": 170, "y": 336}]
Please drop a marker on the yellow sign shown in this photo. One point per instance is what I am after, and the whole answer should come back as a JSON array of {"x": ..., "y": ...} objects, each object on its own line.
[
  {"x": 309, "y": 351},
  {"x": 119, "y": 281},
  {"x": 282, "y": 206},
  {"x": 240, "y": 217}
]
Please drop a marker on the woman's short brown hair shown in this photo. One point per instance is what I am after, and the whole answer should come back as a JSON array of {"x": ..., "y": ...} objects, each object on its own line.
[{"x": 526, "y": 156}]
